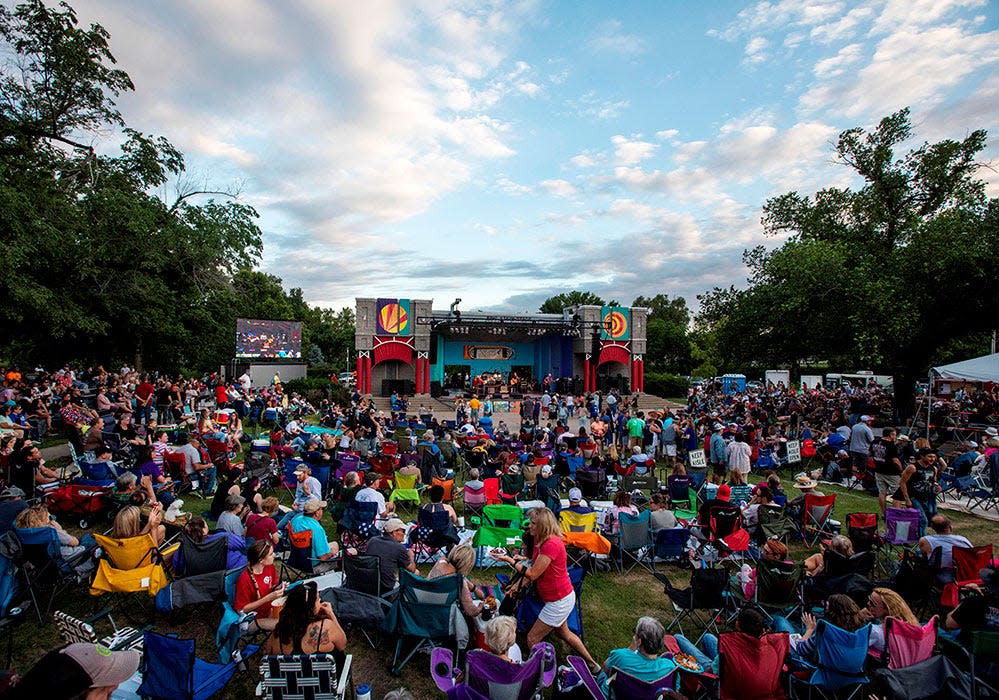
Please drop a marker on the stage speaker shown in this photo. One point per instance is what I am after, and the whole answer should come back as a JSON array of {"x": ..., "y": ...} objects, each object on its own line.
[{"x": 435, "y": 389}]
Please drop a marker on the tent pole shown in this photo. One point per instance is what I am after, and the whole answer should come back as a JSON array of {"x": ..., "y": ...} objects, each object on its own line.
[{"x": 929, "y": 404}]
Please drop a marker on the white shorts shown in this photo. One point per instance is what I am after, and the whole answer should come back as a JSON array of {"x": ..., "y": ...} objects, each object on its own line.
[
  {"x": 557, "y": 612},
  {"x": 671, "y": 449}
]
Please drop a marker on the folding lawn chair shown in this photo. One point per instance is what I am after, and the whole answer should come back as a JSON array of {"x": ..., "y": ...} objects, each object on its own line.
[
  {"x": 195, "y": 558},
  {"x": 670, "y": 545},
  {"x": 726, "y": 531},
  {"x": 751, "y": 668},
  {"x": 171, "y": 671},
  {"x": 502, "y": 526},
  {"x": 73, "y": 630},
  {"x": 936, "y": 677},
  {"x": 46, "y": 574},
  {"x": 901, "y": 535},
  {"x": 842, "y": 657},
  {"x": 774, "y": 522},
  {"x": 592, "y": 482},
  {"x": 862, "y": 529},
  {"x": 778, "y": 588},
  {"x": 491, "y": 676},
  {"x": 907, "y": 644},
  {"x": 130, "y": 565},
  {"x": 307, "y": 676},
  {"x": 706, "y": 594},
  {"x": 421, "y": 612},
  {"x": 646, "y": 483},
  {"x": 433, "y": 533},
  {"x": 633, "y": 542},
  {"x": 357, "y": 525},
  {"x": 406, "y": 493},
  {"x": 979, "y": 656},
  {"x": 473, "y": 501},
  {"x": 622, "y": 684},
  {"x": 582, "y": 537},
  {"x": 687, "y": 512},
  {"x": 816, "y": 514}
]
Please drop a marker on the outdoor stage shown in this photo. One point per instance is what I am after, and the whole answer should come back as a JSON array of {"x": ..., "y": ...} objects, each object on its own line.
[{"x": 405, "y": 346}]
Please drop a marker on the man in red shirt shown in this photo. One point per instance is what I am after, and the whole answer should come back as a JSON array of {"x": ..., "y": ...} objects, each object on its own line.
[{"x": 144, "y": 400}]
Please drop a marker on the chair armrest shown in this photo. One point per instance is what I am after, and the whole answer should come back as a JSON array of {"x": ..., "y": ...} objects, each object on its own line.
[
  {"x": 106, "y": 612},
  {"x": 345, "y": 678}
]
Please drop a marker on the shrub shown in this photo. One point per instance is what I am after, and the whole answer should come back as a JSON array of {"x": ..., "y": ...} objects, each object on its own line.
[
  {"x": 315, "y": 389},
  {"x": 665, "y": 385}
]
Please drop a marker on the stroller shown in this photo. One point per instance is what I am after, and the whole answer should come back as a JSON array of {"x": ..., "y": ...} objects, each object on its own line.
[{"x": 88, "y": 503}]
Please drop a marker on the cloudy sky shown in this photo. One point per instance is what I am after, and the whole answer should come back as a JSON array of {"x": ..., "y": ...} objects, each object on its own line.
[{"x": 505, "y": 151}]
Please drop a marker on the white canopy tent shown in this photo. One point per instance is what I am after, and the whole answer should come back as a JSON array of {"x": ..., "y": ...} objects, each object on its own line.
[{"x": 977, "y": 369}]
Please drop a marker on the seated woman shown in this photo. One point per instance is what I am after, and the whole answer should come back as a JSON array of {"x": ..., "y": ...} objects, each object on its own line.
[
  {"x": 622, "y": 504},
  {"x": 501, "y": 638},
  {"x": 128, "y": 523},
  {"x": 882, "y": 604},
  {"x": 259, "y": 585},
  {"x": 642, "y": 658},
  {"x": 660, "y": 515},
  {"x": 307, "y": 625},
  {"x": 197, "y": 530},
  {"x": 251, "y": 493},
  {"x": 773, "y": 550},
  {"x": 815, "y": 564},
  {"x": 235, "y": 432},
  {"x": 459, "y": 560},
  {"x": 840, "y": 611},
  {"x": 227, "y": 486},
  {"x": 71, "y": 548}
]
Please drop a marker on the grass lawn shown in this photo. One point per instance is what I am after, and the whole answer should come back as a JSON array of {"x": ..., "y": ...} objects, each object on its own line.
[{"x": 611, "y": 605}]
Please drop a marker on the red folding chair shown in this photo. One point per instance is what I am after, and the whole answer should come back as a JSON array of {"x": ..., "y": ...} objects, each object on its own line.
[
  {"x": 862, "y": 529},
  {"x": 968, "y": 561},
  {"x": 492, "y": 490},
  {"x": 726, "y": 528},
  {"x": 815, "y": 516}
]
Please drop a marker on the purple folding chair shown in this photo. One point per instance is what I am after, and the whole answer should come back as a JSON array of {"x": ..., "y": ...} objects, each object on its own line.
[
  {"x": 901, "y": 534},
  {"x": 490, "y": 676},
  {"x": 348, "y": 463},
  {"x": 624, "y": 686}
]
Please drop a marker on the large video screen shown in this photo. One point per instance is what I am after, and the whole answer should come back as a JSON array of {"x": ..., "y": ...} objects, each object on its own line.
[{"x": 257, "y": 338}]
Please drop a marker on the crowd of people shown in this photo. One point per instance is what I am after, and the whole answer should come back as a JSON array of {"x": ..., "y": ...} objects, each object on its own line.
[{"x": 538, "y": 459}]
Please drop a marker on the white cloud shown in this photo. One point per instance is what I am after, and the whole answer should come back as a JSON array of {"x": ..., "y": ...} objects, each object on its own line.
[
  {"x": 667, "y": 134},
  {"x": 558, "y": 188},
  {"x": 836, "y": 65},
  {"x": 756, "y": 50},
  {"x": 583, "y": 160},
  {"x": 610, "y": 37},
  {"x": 909, "y": 67},
  {"x": 590, "y": 105},
  {"x": 631, "y": 151},
  {"x": 511, "y": 187}
]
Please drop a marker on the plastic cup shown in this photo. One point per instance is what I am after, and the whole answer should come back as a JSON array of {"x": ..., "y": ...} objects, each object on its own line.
[{"x": 276, "y": 606}]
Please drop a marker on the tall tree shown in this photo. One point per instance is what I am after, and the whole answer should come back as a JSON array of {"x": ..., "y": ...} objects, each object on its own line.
[
  {"x": 93, "y": 259},
  {"x": 884, "y": 275}
]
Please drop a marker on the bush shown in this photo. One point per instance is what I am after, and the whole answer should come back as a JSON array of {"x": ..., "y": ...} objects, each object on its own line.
[
  {"x": 666, "y": 385},
  {"x": 315, "y": 389}
]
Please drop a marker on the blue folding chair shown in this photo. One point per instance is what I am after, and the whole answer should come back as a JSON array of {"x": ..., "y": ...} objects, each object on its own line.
[
  {"x": 171, "y": 671},
  {"x": 671, "y": 544},
  {"x": 839, "y": 672}
]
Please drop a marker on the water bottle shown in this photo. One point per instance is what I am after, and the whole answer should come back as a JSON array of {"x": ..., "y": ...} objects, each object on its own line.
[{"x": 364, "y": 692}]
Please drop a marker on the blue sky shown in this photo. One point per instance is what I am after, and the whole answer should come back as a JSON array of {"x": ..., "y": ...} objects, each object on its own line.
[{"x": 502, "y": 152}]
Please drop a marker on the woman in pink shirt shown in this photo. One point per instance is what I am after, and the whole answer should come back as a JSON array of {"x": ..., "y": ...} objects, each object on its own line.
[{"x": 551, "y": 577}]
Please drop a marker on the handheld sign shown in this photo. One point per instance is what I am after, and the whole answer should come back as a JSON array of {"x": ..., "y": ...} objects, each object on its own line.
[
  {"x": 793, "y": 451},
  {"x": 697, "y": 460}
]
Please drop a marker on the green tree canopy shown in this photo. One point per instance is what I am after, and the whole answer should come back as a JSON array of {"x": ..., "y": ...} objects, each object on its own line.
[
  {"x": 94, "y": 260},
  {"x": 882, "y": 276},
  {"x": 555, "y": 304}
]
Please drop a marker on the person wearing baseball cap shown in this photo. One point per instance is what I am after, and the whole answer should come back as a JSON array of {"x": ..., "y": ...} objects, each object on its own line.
[
  {"x": 392, "y": 554},
  {"x": 85, "y": 670},
  {"x": 310, "y": 520},
  {"x": 722, "y": 498},
  {"x": 576, "y": 503},
  {"x": 307, "y": 487},
  {"x": 977, "y": 612}
]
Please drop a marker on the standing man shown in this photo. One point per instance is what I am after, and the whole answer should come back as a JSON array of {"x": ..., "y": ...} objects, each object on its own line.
[
  {"x": 887, "y": 466},
  {"x": 719, "y": 454},
  {"x": 144, "y": 399},
  {"x": 636, "y": 429},
  {"x": 861, "y": 438}
]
